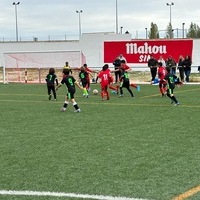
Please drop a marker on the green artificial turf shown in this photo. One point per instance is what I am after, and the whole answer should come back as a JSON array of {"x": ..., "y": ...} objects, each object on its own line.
[{"x": 141, "y": 147}]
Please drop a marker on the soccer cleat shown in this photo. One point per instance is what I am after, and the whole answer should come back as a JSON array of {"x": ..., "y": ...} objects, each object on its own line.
[
  {"x": 78, "y": 110},
  {"x": 121, "y": 95},
  {"x": 163, "y": 95},
  {"x": 113, "y": 92},
  {"x": 176, "y": 104},
  {"x": 138, "y": 88},
  {"x": 63, "y": 109},
  {"x": 55, "y": 99}
]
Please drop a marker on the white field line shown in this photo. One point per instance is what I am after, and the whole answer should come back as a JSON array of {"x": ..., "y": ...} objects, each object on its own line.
[{"x": 62, "y": 194}]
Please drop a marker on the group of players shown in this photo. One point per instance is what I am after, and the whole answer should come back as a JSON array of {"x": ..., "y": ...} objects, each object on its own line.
[{"x": 166, "y": 83}]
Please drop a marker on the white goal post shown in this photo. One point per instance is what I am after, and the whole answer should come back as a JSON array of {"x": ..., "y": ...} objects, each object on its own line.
[{"x": 16, "y": 63}]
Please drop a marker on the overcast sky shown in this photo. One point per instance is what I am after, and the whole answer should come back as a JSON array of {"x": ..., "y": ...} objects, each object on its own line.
[{"x": 58, "y": 18}]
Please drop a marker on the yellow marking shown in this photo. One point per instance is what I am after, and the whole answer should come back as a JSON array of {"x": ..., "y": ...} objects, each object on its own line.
[
  {"x": 188, "y": 193},
  {"x": 102, "y": 103},
  {"x": 154, "y": 95}
]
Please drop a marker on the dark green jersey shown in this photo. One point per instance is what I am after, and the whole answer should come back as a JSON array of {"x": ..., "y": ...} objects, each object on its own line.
[
  {"x": 125, "y": 77},
  {"x": 51, "y": 79},
  {"x": 83, "y": 76},
  {"x": 170, "y": 78},
  {"x": 69, "y": 81}
]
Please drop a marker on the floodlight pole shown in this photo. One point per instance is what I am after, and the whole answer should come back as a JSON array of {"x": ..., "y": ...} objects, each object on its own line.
[
  {"x": 183, "y": 29},
  {"x": 121, "y": 29},
  {"x": 79, "y": 17},
  {"x": 146, "y": 32},
  {"x": 170, "y": 16},
  {"x": 116, "y": 12},
  {"x": 16, "y": 4}
]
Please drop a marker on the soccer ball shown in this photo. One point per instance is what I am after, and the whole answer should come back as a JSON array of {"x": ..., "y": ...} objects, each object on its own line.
[{"x": 95, "y": 91}]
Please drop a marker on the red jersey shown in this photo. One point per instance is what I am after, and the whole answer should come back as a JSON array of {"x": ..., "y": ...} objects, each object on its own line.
[
  {"x": 161, "y": 73},
  {"x": 88, "y": 69},
  {"x": 125, "y": 67},
  {"x": 105, "y": 77}
]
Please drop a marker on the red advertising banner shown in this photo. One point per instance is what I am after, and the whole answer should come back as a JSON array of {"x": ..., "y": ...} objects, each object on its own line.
[{"x": 139, "y": 51}]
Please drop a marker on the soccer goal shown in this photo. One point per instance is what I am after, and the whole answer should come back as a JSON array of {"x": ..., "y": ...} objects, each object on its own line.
[{"x": 33, "y": 66}]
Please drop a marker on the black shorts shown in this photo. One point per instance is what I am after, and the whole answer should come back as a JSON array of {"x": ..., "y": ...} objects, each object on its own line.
[
  {"x": 70, "y": 93},
  {"x": 126, "y": 84},
  {"x": 84, "y": 83}
]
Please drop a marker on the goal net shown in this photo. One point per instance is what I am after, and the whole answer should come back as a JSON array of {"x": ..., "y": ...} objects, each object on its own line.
[{"x": 34, "y": 66}]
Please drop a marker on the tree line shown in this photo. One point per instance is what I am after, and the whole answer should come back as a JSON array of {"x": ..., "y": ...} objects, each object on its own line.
[{"x": 170, "y": 33}]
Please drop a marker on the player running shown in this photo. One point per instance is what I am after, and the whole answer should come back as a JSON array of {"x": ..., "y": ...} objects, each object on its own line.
[
  {"x": 106, "y": 79},
  {"x": 70, "y": 83},
  {"x": 170, "y": 79},
  {"x": 161, "y": 75},
  {"x": 125, "y": 83},
  {"x": 83, "y": 75}
]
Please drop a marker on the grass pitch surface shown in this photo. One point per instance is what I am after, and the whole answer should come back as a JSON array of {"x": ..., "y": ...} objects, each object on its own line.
[{"x": 141, "y": 147}]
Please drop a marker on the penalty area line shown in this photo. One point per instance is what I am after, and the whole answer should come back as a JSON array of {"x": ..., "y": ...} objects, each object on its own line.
[{"x": 62, "y": 194}]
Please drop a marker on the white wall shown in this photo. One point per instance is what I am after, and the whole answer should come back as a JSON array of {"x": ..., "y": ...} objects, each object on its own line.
[
  {"x": 91, "y": 45},
  {"x": 35, "y": 46}
]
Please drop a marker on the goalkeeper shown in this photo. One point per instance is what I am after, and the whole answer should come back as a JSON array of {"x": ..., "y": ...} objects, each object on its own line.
[{"x": 67, "y": 67}]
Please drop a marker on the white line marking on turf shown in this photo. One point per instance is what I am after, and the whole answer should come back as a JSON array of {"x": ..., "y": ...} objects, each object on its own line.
[{"x": 62, "y": 194}]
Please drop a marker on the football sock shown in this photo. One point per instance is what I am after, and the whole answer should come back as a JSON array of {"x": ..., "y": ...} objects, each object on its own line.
[
  {"x": 174, "y": 99},
  {"x": 130, "y": 92},
  {"x": 133, "y": 85},
  {"x": 85, "y": 92},
  {"x": 102, "y": 94},
  {"x": 65, "y": 104},
  {"x": 161, "y": 90},
  {"x": 121, "y": 91},
  {"x": 54, "y": 94},
  {"x": 117, "y": 88},
  {"x": 75, "y": 105},
  {"x": 107, "y": 95},
  {"x": 113, "y": 88}
]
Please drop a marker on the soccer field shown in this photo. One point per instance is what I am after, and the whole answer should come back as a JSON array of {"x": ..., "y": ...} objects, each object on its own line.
[{"x": 140, "y": 148}]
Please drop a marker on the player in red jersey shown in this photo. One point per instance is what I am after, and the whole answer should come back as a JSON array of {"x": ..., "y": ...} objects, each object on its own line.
[
  {"x": 106, "y": 79},
  {"x": 125, "y": 66},
  {"x": 110, "y": 86},
  {"x": 161, "y": 75},
  {"x": 111, "y": 81}
]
